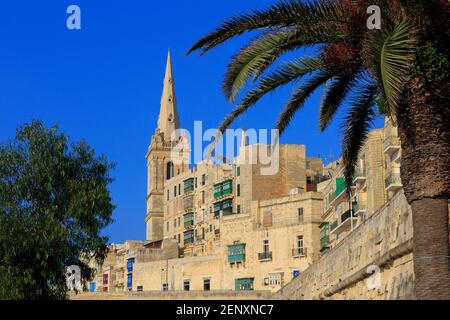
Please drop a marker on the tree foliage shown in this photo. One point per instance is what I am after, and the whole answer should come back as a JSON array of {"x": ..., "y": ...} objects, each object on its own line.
[{"x": 54, "y": 202}]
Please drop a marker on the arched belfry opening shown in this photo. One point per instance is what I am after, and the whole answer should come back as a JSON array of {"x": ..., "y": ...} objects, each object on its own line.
[{"x": 169, "y": 170}]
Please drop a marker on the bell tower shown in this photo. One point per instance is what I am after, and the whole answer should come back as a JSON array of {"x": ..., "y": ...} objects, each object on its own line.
[{"x": 160, "y": 166}]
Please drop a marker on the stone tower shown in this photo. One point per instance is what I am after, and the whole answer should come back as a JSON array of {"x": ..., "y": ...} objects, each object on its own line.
[{"x": 159, "y": 163}]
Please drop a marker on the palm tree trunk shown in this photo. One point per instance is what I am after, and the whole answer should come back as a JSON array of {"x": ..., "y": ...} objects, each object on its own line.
[
  {"x": 424, "y": 128},
  {"x": 431, "y": 249}
]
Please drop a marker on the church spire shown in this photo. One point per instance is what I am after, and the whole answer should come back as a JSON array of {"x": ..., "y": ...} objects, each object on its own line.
[{"x": 168, "y": 116}]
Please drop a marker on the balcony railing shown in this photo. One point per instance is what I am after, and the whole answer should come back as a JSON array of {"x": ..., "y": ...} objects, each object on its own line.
[
  {"x": 393, "y": 180},
  {"x": 324, "y": 242},
  {"x": 391, "y": 144},
  {"x": 265, "y": 255},
  {"x": 359, "y": 175},
  {"x": 333, "y": 225},
  {"x": 359, "y": 207},
  {"x": 346, "y": 215},
  {"x": 299, "y": 252}
]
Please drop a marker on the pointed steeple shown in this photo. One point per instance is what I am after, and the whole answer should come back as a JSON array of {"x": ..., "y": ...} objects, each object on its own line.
[{"x": 168, "y": 116}]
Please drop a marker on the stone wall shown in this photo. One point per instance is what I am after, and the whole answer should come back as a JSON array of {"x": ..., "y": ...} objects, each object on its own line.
[
  {"x": 382, "y": 243},
  {"x": 175, "y": 295}
]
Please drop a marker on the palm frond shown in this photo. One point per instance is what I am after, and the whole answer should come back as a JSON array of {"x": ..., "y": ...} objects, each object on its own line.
[
  {"x": 307, "y": 14},
  {"x": 256, "y": 57},
  {"x": 285, "y": 74},
  {"x": 393, "y": 52},
  {"x": 334, "y": 95},
  {"x": 299, "y": 97},
  {"x": 357, "y": 124}
]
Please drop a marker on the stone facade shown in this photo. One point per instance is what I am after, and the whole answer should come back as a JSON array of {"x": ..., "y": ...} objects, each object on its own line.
[{"x": 381, "y": 244}]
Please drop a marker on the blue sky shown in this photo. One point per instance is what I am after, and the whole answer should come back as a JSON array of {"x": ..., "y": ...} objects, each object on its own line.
[{"x": 103, "y": 83}]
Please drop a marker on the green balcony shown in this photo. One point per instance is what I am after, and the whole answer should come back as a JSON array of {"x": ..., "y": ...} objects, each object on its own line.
[
  {"x": 341, "y": 186},
  {"x": 236, "y": 253},
  {"x": 188, "y": 237},
  {"x": 189, "y": 220},
  {"x": 324, "y": 242},
  {"x": 217, "y": 190},
  {"x": 188, "y": 185},
  {"x": 227, "y": 207},
  {"x": 333, "y": 225},
  {"x": 227, "y": 187},
  {"x": 244, "y": 284},
  {"x": 223, "y": 189}
]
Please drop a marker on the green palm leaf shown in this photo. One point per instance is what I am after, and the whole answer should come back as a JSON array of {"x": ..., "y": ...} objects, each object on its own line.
[
  {"x": 308, "y": 15},
  {"x": 285, "y": 74},
  {"x": 393, "y": 51},
  {"x": 256, "y": 57},
  {"x": 299, "y": 97},
  {"x": 357, "y": 125},
  {"x": 334, "y": 96}
]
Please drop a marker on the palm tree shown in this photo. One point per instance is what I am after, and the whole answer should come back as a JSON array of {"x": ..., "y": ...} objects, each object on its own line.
[{"x": 403, "y": 68}]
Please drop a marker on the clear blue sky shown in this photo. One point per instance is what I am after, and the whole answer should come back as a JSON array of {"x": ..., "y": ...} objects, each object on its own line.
[{"x": 104, "y": 83}]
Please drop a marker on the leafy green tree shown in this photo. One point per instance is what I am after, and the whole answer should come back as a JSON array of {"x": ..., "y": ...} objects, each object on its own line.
[
  {"x": 54, "y": 201},
  {"x": 404, "y": 67}
]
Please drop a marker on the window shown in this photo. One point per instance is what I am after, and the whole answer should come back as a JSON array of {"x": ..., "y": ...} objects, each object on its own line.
[
  {"x": 186, "y": 285},
  {"x": 300, "y": 215},
  {"x": 203, "y": 197},
  {"x": 206, "y": 284},
  {"x": 179, "y": 189},
  {"x": 174, "y": 223},
  {"x": 175, "y": 191},
  {"x": 179, "y": 238},
  {"x": 238, "y": 191},
  {"x": 169, "y": 170},
  {"x": 179, "y": 221},
  {"x": 105, "y": 279},
  {"x": 300, "y": 245},
  {"x": 275, "y": 279},
  {"x": 203, "y": 179},
  {"x": 165, "y": 287},
  {"x": 140, "y": 288},
  {"x": 238, "y": 171},
  {"x": 167, "y": 226},
  {"x": 238, "y": 208},
  {"x": 168, "y": 194},
  {"x": 129, "y": 280},
  {"x": 130, "y": 263},
  {"x": 196, "y": 183},
  {"x": 266, "y": 246}
]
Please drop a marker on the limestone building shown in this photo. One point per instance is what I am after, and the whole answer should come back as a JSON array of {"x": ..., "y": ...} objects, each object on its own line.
[
  {"x": 234, "y": 227},
  {"x": 229, "y": 228}
]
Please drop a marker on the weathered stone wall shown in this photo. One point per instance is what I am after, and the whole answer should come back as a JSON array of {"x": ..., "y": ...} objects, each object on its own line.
[
  {"x": 383, "y": 243},
  {"x": 175, "y": 295}
]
